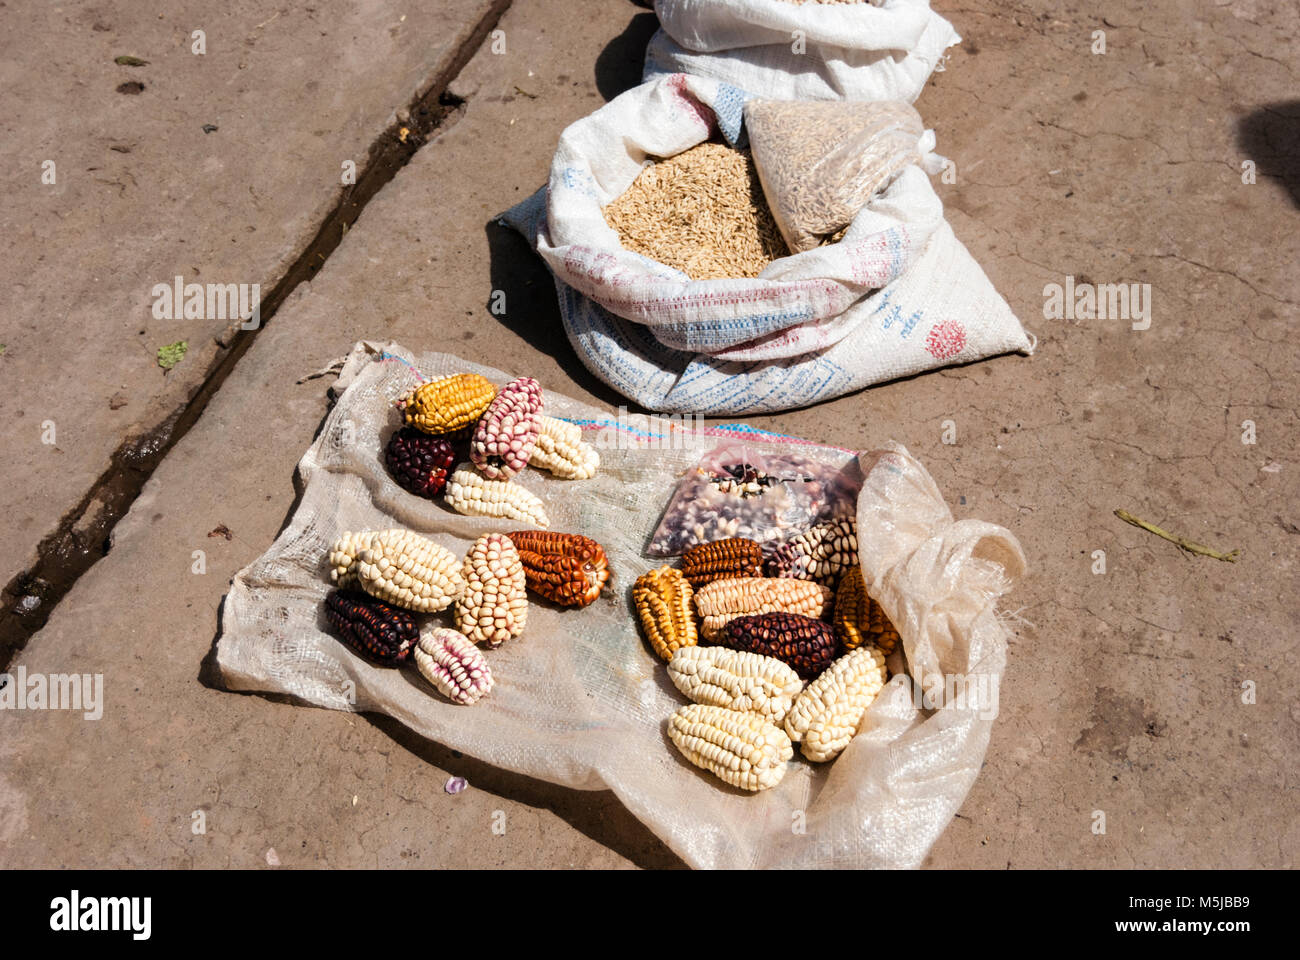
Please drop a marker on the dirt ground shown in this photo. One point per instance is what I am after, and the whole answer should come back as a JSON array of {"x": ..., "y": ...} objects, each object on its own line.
[{"x": 1157, "y": 692}]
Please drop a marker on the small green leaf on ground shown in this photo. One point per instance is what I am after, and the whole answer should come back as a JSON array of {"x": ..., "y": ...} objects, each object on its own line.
[
  {"x": 172, "y": 354},
  {"x": 126, "y": 60}
]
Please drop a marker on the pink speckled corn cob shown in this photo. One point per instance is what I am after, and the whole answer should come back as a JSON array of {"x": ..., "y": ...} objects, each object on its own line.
[{"x": 507, "y": 432}]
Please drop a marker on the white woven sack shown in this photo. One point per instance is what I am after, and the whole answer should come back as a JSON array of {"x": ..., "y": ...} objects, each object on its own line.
[
  {"x": 580, "y": 699},
  {"x": 897, "y": 295},
  {"x": 811, "y": 51}
]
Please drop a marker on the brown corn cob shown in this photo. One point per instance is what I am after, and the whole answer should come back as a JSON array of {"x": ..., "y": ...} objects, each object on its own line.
[
  {"x": 565, "y": 568},
  {"x": 724, "y": 600},
  {"x": 371, "y": 627},
  {"x": 662, "y": 599},
  {"x": 449, "y": 404},
  {"x": 823, "y": 553},
  {"x": 858, "y": 619},
  {"x": 722, "y": 560},
  {"x": 805, "y": 643}
]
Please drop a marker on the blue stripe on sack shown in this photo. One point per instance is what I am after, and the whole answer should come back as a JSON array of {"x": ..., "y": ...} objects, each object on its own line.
[
  {"x": 703, "y": 334},
  {"x": 730, "y": 108}
]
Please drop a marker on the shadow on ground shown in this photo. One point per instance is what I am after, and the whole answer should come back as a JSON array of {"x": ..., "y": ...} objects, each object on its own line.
[
  {"x": 595, "y": 813},
  {"x": 1270, "y": 136},
  {"x": 618, "y": 67},
  {"x": 532, "y": 309}
]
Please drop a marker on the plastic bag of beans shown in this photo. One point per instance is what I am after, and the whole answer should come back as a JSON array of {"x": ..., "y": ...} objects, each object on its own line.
[
  {"x": 820, "y": 162},
  {"x": 740, "y": 490}
]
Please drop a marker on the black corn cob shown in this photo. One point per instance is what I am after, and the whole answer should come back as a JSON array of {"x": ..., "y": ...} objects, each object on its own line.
[
  {"x": 371, "y": 627},
  {"x": 421, "y": 463},
  {"x": 805, "y": 643}
]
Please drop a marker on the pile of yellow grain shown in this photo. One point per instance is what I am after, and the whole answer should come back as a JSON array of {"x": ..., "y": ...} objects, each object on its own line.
[{"x": 702, "y": 212}]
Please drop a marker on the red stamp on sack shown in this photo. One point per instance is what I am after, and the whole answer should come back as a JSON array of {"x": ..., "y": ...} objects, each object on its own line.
[{"x": 946, "y": 339}]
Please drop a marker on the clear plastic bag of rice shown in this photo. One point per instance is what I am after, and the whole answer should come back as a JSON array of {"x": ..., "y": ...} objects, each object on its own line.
[{"x": 819, "y": 162}]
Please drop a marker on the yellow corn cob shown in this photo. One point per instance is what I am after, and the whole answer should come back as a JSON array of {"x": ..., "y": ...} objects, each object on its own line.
[
  {"x": 826, "y": 715},
  {"x": 741, "y": 749},
  {"x": 399, "y": 567},
  {"x": 560, "y": 449},
  {"x": 724, "y": 600},
  {"x": 662, "y": 599},
  {"x": 471, "y": 493},
  {"x": 858, "y": 619},
  {"x": 494, "y": 605},
  {"x": 736, "y": 680},
  {"x": 449, "y": 404}
]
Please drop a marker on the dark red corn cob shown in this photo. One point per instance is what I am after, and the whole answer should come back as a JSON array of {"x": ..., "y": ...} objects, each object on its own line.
[
  {"x": 422, "y": 463},
  {"x": 371, "y": 627},
  {"x": 805, "y": 643}
]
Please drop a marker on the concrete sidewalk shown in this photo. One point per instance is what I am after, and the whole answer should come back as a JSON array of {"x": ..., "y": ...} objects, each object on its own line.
[
  {"x": 1125, "y": 696},
  {"x": 216, "y": 159}
]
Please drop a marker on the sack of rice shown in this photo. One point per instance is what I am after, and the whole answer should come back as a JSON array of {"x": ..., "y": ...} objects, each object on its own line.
[
  {"x": 820, "y": 161},
  {"x": 897, "y": 294},
  {"x": 790, "y": 50}
]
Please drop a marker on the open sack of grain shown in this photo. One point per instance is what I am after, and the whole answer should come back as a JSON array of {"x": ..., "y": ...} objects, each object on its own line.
[
  {"x": 580, "y": 698},
  {"x": 803, "y": 49},
  {"x": 895, "y": 295}
]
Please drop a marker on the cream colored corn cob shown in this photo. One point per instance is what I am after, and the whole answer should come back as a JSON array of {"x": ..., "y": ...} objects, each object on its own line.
[
  {"x": 399, "y": 567},
  {"x": 826, "y": 715},
  {"x": 724, "y": 600},
  {"x": 470, "y": 493},
  {"x": 736, "y": 680},
  {"x": 561, "y": 450},
  {"x": 494, "y": 605},
  {"x": 741, "y": 749}
]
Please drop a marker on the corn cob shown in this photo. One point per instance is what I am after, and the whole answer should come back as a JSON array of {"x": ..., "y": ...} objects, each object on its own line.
[
  {"x": 741, "y": 749},
  {"x": 447, "y": 405},
  {"x": 806, "y": 644},
  {"x": 561, "y": 450},
  {"x": 506, "y": 433},
  {"x": 826, "y": 715},
  {"x": 724, "y": 600},
  {"x": 371, "y": 627},
  {"x": 858, "y": 619},
  {"x": 565, "y": 568},
  {"x": 748, "y": 682},
  {"x": 823, "y": 553},
  {"x": 450, "y": 662},
  {"x": 344, "y": 553},
  {"x": 399, "y": 567},
  {"x": 662, "y": 599},
  {"x": 470, "y": 493},
  {"x": 494, "y": 605},
  {"x": 722, "y": 560},
  {"x": 420, "y": 463}
]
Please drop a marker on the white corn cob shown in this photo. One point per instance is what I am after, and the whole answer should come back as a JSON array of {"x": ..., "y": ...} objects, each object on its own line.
[
  {"x": 826, "y": 715},
  {"x": 452, "y": 664},
  {"x": 561, "y": 450},
  {"x": 399, "y": 567},
  {"x": 723, "y": 600},
  {"x": 741, "y": 749},
  {"x": 344, "y": 553},
  {"x": 736, "y": 680},
  {"x": 494, "y": 605},
  {"x": 470, "y": 493}
]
